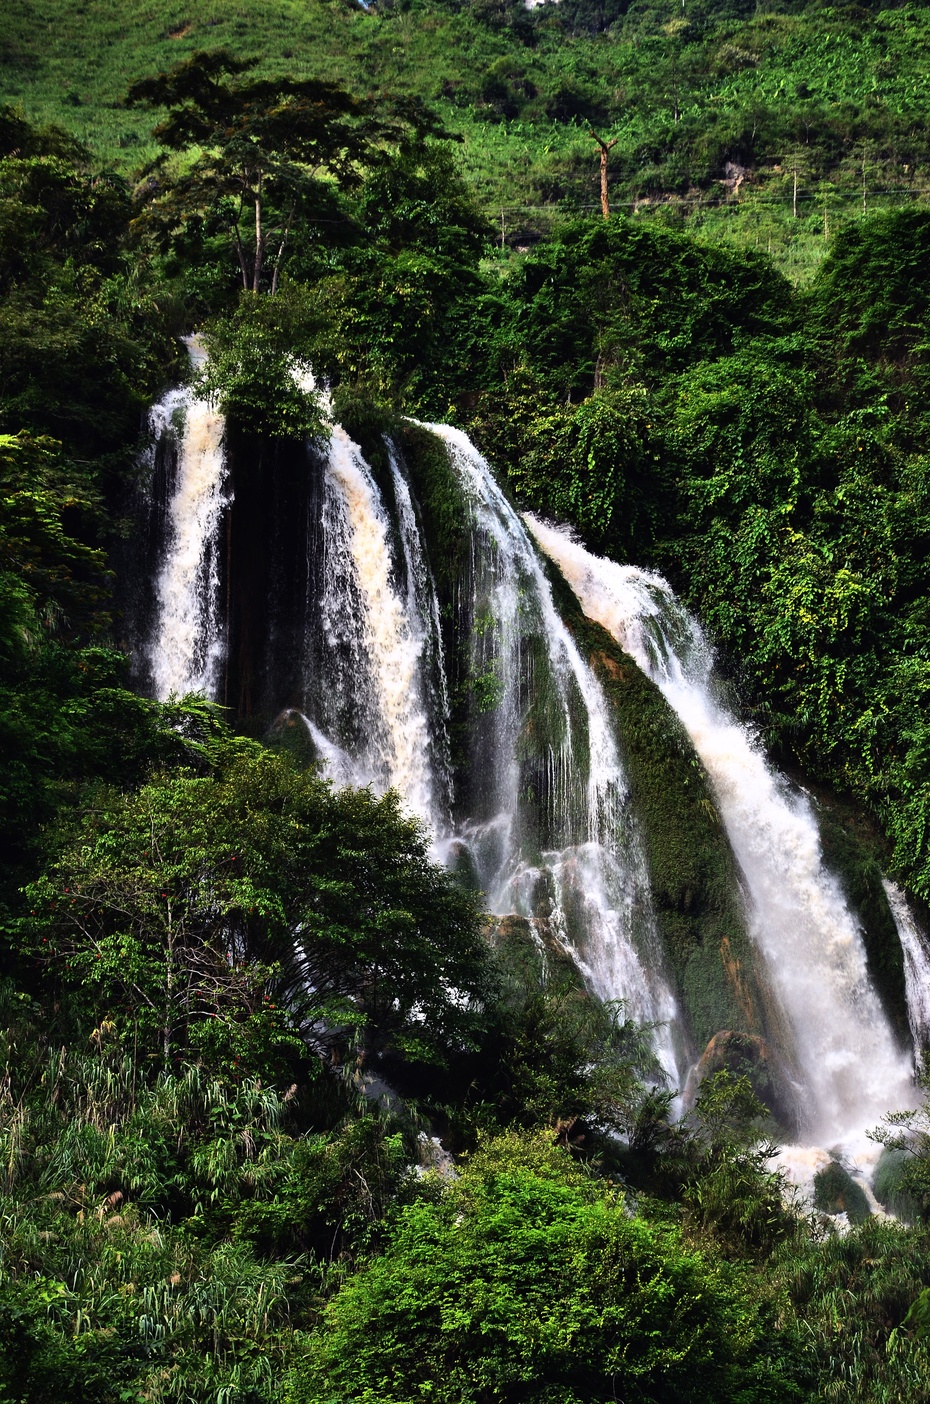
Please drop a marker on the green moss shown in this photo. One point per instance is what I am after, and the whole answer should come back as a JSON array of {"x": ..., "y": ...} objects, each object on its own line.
[
  {"x": 528, "y": 948},
  {"x": 289, "y": 734},
  {"x": 889, "y": 1188},
  {"x": 445, "y": 514},
  {"x": 836, "y": 1192},
  {"x": 446, "y": 523},
  {"x": 848, "y": 855},
  {"x": 367, "y": 421},
  {"x": 693, "y": 873},
  {"x": 749, "y": 1056}
]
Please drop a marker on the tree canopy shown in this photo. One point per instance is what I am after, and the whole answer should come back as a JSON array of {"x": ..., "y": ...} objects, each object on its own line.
[{"x": 263, "y": 153}]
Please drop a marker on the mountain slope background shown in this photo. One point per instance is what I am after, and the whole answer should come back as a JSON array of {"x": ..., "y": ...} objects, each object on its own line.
[{"x": 768, "y": 126}]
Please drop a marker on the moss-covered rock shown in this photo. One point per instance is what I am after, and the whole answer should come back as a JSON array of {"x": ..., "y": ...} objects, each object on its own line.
[
  {"x": 836, "y": 1192},
  {"x": 288, "y": 732},
  {"x": 368, "y": 421},
  {"x": 748, "y": 1055},
  {"x": 693, "y": 874},
  {"x": 444, "y": 511},
  {"x": 850, "y": 856},
  {"x": 889, "y": 1187},
  {"x": 531, "y": 943}
]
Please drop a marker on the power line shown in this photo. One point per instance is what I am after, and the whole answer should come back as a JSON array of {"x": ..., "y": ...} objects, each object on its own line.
[{"x": 838, "y": 197}]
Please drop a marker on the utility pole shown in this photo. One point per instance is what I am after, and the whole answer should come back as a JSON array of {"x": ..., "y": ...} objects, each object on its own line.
[{"x": 606, "y": 146}]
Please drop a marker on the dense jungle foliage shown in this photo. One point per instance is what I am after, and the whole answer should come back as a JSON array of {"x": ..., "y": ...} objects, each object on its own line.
[{"x": 277, "y": 1121}]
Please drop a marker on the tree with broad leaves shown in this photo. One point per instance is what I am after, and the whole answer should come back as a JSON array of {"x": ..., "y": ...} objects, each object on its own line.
[
  {"x": 257, "y": 903},
  {"x": 264, "y": 153}
]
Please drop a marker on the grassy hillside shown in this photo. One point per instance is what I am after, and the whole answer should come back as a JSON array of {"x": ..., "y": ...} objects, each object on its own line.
[{"x": 767, "y": 126}]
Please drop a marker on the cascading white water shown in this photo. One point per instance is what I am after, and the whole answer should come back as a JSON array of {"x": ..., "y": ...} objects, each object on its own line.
[
  {"x": 916, "y": 966},
  {"x": 375, "y": 644},
  {"x": 338, "y": 765},
  {"x": 813, "y": 952},
  {"x": 422, "y": 607},
  {"x": 187, "y": 645},
  {"x": 592, "y": 872}
]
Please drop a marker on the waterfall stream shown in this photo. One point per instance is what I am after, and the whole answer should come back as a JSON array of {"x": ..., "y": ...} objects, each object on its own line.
[
  {"x": 580, "y": 866},
  {"x": 809, "y": 941},
  {"x": 916, "y": 965},
  {"x": 187, "y": 644},
  {"x": 376, "y": 640}
]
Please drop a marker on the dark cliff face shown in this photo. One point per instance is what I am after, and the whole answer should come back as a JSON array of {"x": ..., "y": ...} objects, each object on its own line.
[
  {"x": 272, "y": 556},
  {"x": 136, "y": 556}
]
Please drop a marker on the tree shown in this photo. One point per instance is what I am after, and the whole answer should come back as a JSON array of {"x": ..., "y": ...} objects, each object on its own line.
[
  {"x": 530, "y": 1280},
  {"x": 263, "y": 153},
  {"x": 260, "y": 898},
  {"x": 606, "y": 148},
  {"x": 83, "y": 341}
]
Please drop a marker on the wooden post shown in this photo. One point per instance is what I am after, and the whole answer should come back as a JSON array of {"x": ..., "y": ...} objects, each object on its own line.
[
  {"x": 794, "y": 202},
  {"x": 605, "y": 146}
]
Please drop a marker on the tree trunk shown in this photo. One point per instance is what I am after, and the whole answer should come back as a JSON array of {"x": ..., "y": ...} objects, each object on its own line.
[
  {"x": 243, "y": 267},
  {"x": 281, "y": 248},
  {"x": 606, "y": 147},
  {"x": 259, "y": 237}
]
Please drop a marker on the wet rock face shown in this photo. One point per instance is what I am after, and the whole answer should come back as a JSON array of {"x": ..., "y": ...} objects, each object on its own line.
[
  {"x": 537, "y": 937},
  {"x": 747, "y": 1055},
  {"x": 890, "y": 1190}
]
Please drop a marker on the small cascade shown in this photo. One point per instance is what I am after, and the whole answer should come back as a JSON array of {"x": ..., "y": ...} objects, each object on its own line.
[
  {"x": 916, "y": 966},
  {"x": 187, "y": 644},
  {"x": 811, "y": 947},
  {"x": 339, "y": 766},
  {"x": 555, "y": 838},
  {"x": 372, "y": 697}
]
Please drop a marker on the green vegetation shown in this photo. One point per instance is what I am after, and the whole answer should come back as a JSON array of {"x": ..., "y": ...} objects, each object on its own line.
[
  {"x": 528, "y": 1279},
  {"x": 780, "y": 480},
  {"x": 278, "y": 1121},
  {"x": 768, "y": 126}
]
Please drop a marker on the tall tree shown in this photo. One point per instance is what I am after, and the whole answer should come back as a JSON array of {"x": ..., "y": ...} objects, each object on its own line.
[{"x": 264, "y": 153}]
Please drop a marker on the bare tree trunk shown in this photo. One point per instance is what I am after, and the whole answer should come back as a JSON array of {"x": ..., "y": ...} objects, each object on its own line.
[
  {"x": 259, "y": 236},
  {"x": 280, "y": 253},
  {"x": 169, "y": 992},
  {"x": 242, "y": 260},
  {"x": 606, "y": 146}
]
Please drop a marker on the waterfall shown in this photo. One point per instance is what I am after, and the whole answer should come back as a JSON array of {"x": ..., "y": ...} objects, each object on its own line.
[
  {"x": 187, "y": 644},
  {"x": 572, "y": 856},
  {"x": 372, "y": 696},
  {"x": 916, "y": 966},
  {"x": 809, "y": 941},
  {"x": 422, "y": 607}
]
